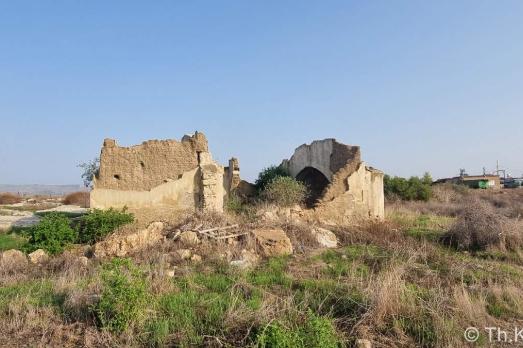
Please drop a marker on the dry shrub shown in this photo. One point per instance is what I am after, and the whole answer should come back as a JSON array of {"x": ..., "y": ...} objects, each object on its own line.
[
  {"x": 480, "y": 227},
  {"x": 80, "y": 198},
  {"x": 9, "y": 198}
]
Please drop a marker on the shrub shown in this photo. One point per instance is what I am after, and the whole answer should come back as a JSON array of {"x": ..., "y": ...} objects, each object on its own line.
[
  {"x": 479, "y": 227},
  {"x": 9, "y": 198},
  {"x": 124, "y": 295},
  {"x": 316, "y": 332},
  {"x": 415, "y": 188},
  {"x": 80, "y": 198},
  {"x": 285, "y": 191},
  {"x": 99, "y": 223},
  {"x": 53, "y": 233},
  {"x": 268, "y": 175}
]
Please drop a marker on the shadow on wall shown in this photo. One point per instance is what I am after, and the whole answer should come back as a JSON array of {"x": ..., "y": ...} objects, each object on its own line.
[{"x": 315, "y": 181}]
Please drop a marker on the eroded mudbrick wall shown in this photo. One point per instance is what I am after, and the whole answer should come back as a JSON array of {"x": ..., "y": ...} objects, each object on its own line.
[
  {"x": 152, "y": 163},
  {"x": 177, "y": 174}
]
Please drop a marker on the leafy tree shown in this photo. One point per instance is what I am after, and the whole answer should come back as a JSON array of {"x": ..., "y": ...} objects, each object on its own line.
[
  {"x": 268, "y": 174},
  {"x": 412, "y": 189},
  {"x": 90, "y": 171}
]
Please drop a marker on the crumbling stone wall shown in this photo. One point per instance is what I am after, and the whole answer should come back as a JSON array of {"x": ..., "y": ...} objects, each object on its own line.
[
  {"x": 178, "y": 174},
  {"x": 350, "y": 188}
]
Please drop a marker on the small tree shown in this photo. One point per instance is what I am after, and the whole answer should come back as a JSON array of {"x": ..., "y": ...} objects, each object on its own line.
[
  {"x": 268, "y": 174},
  {"x": 90, "y": 171},
  {"x": 414, "y": 188}
]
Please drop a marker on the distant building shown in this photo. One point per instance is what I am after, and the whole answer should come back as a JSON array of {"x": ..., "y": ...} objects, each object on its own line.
[
  {"x": 513, "y": 183},
  {"x": 487, "y": 181}
]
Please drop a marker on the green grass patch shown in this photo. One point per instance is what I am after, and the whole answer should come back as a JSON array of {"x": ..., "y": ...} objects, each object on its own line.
[
  {"x": 197, "y": 308},
  {"x": 11, "y": 241},
  {"x": 313, "y": 331},
  {"x": 358, "y": 259},
  {"x": 29, "y": 294},
  {"x": 271, "y": 273},
  {"x": 124, "y": 297}
]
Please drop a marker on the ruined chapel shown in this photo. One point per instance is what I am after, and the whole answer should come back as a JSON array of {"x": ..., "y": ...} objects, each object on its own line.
[{"x": 182, "y": 175}]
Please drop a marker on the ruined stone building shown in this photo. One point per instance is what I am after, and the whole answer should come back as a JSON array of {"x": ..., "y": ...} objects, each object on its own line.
[
  {"x": 177, "y": 174},
  {"x": 182, "y": 175},
  {"x": 341, "y": 185}
]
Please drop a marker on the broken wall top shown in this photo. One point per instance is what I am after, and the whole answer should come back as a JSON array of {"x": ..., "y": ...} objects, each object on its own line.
[
  {"x": 150, "y": 164},
  {"x": 328, "y": 156}
]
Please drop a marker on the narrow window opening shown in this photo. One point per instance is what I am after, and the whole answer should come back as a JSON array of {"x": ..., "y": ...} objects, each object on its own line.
[{"x": 116, "y": 176}]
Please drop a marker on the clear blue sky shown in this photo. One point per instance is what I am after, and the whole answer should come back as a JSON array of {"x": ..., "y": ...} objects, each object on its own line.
[{"x": 419, "y": 85}]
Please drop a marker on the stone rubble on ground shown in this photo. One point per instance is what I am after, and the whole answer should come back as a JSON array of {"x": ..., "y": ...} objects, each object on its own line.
[
  {"x": 325, "y": 237},
  {"x": 184, "y": 254},
  {"x": 272, "y": 242},
  {"x": 38, "y": 256},
  {"x": 196, "y": 258},
  {"x": 248, "y": 259},
  {"x": 12, "y": 259},
  {"x": 122, "y": 245},
  {"x": 189, "y": 238}
]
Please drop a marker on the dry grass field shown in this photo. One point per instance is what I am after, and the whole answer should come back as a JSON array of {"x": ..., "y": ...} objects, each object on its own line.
[{"x": 417, "y": 279}]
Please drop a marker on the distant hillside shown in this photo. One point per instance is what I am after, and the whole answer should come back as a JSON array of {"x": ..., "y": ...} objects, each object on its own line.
[{"x": 52, "y": 190}]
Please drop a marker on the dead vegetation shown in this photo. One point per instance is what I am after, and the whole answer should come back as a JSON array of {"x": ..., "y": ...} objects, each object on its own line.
[
  {"x": 80, "y": 198},
  {"x": 480, "y": 227},
  {"x": 9, "y": 198}
]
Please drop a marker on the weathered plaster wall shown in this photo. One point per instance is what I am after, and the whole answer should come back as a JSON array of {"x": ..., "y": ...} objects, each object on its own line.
[{"x": 182, "y": 194}]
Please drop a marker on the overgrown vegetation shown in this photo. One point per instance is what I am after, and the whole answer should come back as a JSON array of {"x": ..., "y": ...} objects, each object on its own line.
[
  {"x": 480, "y": 227},
  {"x": 99, "y": 223},
  {"x": 268, "y": 175},
  {"x": 56, "y": 230},
  {"x": 411, "y": 189},
  {"x": 52, "y": 234},
  {"x": 285, "y": 191},
  {"x": 124, "y": 296},
  {"x": 393, "y": 283}
]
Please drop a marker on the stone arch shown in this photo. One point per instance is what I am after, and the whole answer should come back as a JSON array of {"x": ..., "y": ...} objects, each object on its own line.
[{"x": 315, "y": 181}]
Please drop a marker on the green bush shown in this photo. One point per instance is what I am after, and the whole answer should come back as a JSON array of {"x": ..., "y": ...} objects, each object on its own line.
[
  {"x": 53, "y": 233},
  {"x": 268, "y": 175},
  {"x": 99, "y": 223},
  {"x": 124, "y": 295},
  {"x": 412, "y": 189},
  {"x": 285, "y": 191}
]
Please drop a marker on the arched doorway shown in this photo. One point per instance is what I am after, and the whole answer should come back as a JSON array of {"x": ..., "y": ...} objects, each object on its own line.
[{"x": 315, "y": 181}]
